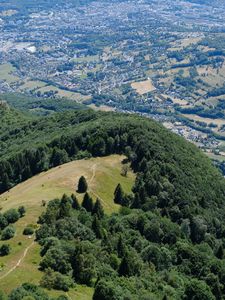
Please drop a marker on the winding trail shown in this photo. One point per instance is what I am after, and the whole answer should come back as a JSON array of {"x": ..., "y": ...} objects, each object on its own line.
[
  {"x": 19, "y": 261},
  {"x": 68, "y": 296},
  {"x": 93, "y": 168}
]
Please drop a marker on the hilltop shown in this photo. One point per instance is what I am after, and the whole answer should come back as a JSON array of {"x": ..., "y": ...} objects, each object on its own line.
[
  {"x": 50, "y": 185},
  {"x": 171, "y": 225}
]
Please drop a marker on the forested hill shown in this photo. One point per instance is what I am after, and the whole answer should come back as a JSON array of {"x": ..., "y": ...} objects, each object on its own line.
[
  {"x": 173, "y": 227},
  {"x": 172, "y": 171}
]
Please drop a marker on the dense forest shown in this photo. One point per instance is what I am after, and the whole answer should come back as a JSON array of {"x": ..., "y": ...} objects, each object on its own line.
[{"x": 167, "y": 241}]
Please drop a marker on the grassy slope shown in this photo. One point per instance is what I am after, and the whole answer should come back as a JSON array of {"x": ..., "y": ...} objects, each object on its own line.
[{"x": 103, "y": 174}]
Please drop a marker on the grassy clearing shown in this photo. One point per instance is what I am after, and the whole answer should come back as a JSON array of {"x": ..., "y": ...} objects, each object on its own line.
[
  {"x": 102, "y": 107},
  {"x": 32, "y": 85},
  {"x": 102, "y": 174},
  {"x": 6, "y": 71},
  {"x": 63, "y": 93},
  {"x": 218, "y": 122},
  {"x": 90, "y": 58}
]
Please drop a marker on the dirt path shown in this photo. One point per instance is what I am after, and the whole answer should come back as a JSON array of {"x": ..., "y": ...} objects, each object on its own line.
[
  {"x": 68, "y": 296},
  {"x": 93, "y": 168},
  {"x": 19, "y": 261}
]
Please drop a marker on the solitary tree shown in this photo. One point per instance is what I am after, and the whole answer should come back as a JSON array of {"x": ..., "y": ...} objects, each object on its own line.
[
  {"x": 21, "y": 211},
  {"x": 87, "y": 202},
  {"x": 118, "y": 194},
  {"x": 82, "y": 185},
  {"x": 4, "y": 250}
]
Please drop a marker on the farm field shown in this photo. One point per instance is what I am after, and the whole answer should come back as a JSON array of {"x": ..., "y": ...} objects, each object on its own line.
[
  {"x": 101, "y": 107},
  {"x": 218, "y": 122},
  {"x": 64, "y": 93},
  {"x": 6, "y": 71},
  {"x": 32, "y": 85},
  {"x": 143, "y": 87},
  {"x": 102, "y": 174}
]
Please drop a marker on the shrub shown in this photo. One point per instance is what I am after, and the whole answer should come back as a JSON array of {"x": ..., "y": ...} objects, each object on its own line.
[
  {"x": 21, "y": 211},
  {"x": 28, "y": 231},
  {"x": 4, "y": 250},
  {"x": 12, "y": 215},
  {"x": 55, "y": 280},
  {"x": 8, "y": 233}
]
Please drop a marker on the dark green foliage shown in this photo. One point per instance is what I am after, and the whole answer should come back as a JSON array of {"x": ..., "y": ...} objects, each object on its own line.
[
  {"x": 121, "y": 247},
  {"x": 4, "y": 250},
  {"x": 12, "y": 215},
  {"x": 8, "y": 233},
  {"x": 28, "y": 231},
  {"x": 82, "y": 185},
  {"x": 130, "y": 265},
  {"x": 3, "y": 221},
  {"x": 198, "y": 290},
  {"x": 21, "y": 211},
  {"x": 98, "y": 209},
  {"x": 87, "y": 202},
  {"x": 41, "y": 106},
  {"x": 166, "y": 241},
  {"x": 118, "y": 194},
  {"x": 105, "y": 291},
  {"x": 48, "y": 243},
  {"x": 58, "y": 157},
  {"x": 159, "y": 256},
  {"x": 96, "y": 227},
  {"x": 28, "y": 291},
  {"x": 55, "y": 280},
  {"x": 57, "y": 260},
  {"x": 135, "y": 244},
  {"x": 83, "y": 264},
  {"x": 75, "y": 203},
  {"x": 220, "y": 252},
  {"x": 65, "y": 206}
]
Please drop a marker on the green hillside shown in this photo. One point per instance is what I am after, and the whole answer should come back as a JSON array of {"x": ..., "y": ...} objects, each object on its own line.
[{"x": 168, "y": 240}]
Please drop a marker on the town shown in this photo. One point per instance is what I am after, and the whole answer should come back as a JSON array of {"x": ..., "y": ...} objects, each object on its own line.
[{"x": 161, "y": 59}]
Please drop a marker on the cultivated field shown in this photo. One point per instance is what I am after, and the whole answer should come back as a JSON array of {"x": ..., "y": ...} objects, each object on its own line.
[
  {"x": 218, "y": 122},
  {"x": 64, "y": 93},
  {"x": 143, "y": 87},
  {"x": 102, "y": 174},
  {"x": 6, "y": 73},
  {"x": 32, "y": 85}
]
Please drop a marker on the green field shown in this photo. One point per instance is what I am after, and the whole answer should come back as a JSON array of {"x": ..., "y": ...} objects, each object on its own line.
[
  {"x": 102, "y": 174},
  {"x": 63, "y": 93},
  {"x": 6, "y": 73},
  {"x": 32, "y": 85}
]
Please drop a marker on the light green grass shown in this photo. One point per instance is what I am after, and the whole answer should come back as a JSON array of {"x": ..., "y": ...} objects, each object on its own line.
[
  {"x": 32, "y": 85},
  {"x": 102, "y": 174},
  {"x": 86, "y": 59},
  {"x": 6, "y": 71},
  {"x": 63, "y": 93}
]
